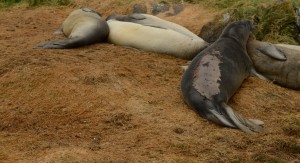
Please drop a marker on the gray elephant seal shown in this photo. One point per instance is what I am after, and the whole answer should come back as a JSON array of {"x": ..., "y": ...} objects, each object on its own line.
[
  {"x": 216, "y": 73},
  {"x": 280, "y": 64},
  {"x": 150, "y": 33},
  {"x": 82, "y": 27}
]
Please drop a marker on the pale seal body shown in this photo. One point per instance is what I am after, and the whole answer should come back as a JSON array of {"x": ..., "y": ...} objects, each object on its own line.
[
  {"x": 216, "y": 73},
  {"x": 280, "y": 64},
  {"x": 150, "y": 33},
  {"x": 293, "y": 47},
  {"x": 82, "y": 27}
]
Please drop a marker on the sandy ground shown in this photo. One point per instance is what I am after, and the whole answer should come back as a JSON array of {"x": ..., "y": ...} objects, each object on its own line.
[{"x": 105, "y": 103}]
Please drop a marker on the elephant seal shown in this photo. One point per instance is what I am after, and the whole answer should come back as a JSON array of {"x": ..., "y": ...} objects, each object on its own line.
[
  {"x": 82, "y": 27},
  {"x": 278, "y": 63},
  {"x": 216, "y": 73},
  {"x": 150, "y": 33}
]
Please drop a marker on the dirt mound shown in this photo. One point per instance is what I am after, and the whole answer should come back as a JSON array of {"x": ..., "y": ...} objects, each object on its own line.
[{"x": 105, "y": 103}]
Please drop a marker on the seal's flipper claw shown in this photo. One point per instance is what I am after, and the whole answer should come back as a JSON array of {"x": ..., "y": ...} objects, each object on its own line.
[
  {"x": 58, "y": 31},
  {"x": 257, "y": 121},
  {"x": 242, "y": 123},
  {"x": 184, "y": 67}
]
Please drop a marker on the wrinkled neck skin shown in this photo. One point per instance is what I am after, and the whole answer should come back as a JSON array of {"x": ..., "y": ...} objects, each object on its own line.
[{"x": 240, "y": 33}]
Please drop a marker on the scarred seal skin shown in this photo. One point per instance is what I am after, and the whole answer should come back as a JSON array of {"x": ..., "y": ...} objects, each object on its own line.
[
  {"x": 280, "y": 63},
  {"x": 150, "y": 33},
  {"x": 82, "y": 27},
  {"x": 216, "y": 73}
]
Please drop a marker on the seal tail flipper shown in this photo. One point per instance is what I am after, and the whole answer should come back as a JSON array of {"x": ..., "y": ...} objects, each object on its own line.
[
  {"x": 62, "y": 44},
  {"x": 245, "y": 125}
]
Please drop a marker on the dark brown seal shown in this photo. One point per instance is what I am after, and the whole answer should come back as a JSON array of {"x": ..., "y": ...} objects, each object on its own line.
[{"x": 216, "y": 73}]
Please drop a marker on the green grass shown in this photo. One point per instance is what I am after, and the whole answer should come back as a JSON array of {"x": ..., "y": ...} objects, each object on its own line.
[
  {"x": 9, "y": 3},
  {"x": 274, "y": 22}
]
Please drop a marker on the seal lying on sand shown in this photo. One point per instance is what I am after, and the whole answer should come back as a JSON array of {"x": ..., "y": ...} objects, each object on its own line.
[
  {"x": 150, "y": 33},
  {"x": 278, "y": 63},
  {"x": 82, "y": 27},
  {"x": 216, "y": 73}
]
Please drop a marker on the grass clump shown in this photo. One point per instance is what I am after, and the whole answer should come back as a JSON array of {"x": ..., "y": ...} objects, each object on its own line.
[
  {"x": 261, "y": 157},
  {"x": 8, "y": 3},
  {"x": 288, "y": 146},
  {"x": 274, "y": 22},
  {"x": 293, "y": 127}
]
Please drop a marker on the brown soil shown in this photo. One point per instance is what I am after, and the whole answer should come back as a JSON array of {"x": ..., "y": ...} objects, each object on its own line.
[{"x": 105, "y": 103}]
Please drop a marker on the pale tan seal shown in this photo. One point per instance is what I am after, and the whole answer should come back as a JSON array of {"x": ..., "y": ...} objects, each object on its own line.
[
  {"x": 150, "y": 33},
  {"x": 82, "y": 27}
]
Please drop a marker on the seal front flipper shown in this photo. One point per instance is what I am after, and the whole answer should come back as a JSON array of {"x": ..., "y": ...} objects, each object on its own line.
[
  {"x": 242, "y": 123},
  {"x": 255, "y": 73},
  {"x": 271, "y": 51}
]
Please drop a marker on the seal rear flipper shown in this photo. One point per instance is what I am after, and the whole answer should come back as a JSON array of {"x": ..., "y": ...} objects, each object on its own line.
[
  {"x": 220, "y": 118},
  {"x": 63, "y": 44},
  {"x": 244, "y": 124}
]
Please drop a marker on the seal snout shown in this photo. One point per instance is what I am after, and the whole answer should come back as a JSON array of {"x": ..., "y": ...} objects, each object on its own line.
[{"x": 248, "y": 24}]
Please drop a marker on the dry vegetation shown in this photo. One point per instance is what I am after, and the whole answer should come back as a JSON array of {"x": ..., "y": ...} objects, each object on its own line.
[{"x": 105, "y": 103}]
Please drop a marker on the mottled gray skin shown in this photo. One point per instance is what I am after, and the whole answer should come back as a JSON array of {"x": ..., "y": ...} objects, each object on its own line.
[
  {"x": 82, "y": 27},
  {"x": 285, "y": 72},
  {"x": 216, "y": 73}
]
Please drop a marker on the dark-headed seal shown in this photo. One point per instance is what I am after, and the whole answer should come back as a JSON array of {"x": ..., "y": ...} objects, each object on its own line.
[
  {"x": 82, "y": 27},
  {"x": 278, "y": 63},
  {"x": 150, "y": 33},
  {"x": 216, "y": 73}
]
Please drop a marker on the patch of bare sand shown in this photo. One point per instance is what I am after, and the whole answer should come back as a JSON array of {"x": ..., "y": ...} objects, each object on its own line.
[{"x": 104, "y": 103}]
